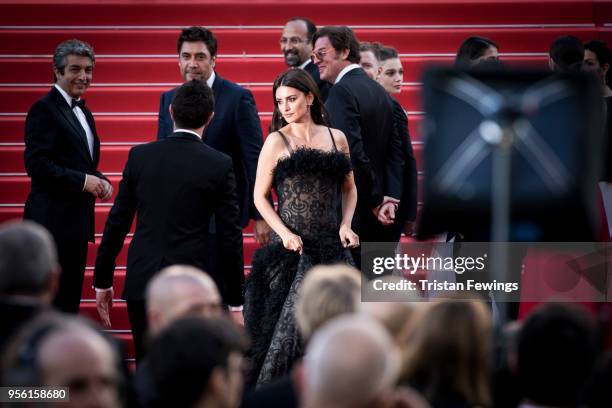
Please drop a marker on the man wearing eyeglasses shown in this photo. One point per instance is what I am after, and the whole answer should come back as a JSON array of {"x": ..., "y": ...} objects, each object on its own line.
[
  {"x": 363, "y": 110},
  {"x": 296, "y": 45}
]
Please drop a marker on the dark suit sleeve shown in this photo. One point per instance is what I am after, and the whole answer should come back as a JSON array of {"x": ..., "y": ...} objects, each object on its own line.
[
  {"x": 164, "y": 121},
  {"x": 409, "y": 194},
  {"x": 394, "y": 165},
  {"x": 41, "y": 133},
  {"x": 344, "y": 115},
  {"x": 229, "y": 238},
  {"x": 117, "y": 227},
  {"x": 250, "y": 138}
]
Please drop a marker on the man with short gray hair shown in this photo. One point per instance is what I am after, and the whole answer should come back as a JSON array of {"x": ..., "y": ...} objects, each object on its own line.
[
  {"x": 62, "y": 151},
  {"x": 28, "y": 273}
]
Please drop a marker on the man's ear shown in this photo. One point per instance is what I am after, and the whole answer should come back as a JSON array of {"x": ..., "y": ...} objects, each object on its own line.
[
  {"x": 213, "y": 61},
  {"x": 217, "y": 383},
  {"x": 378, "y": 72},
  {"x": 605, "y": 68},
  {"x": 210, "y": 118},
  {"x": 344, "y": 54},
  {"x": 551, "y": 64},
  {"x": 170, "y": 111}
]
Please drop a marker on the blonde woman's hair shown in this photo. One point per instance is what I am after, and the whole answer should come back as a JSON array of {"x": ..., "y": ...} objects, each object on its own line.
[{"x": 327, "y": 291}]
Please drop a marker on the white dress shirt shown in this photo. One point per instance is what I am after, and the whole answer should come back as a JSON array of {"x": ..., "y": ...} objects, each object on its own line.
[
  {"x": 346, "y": 70},
  {"x": 81, "y": 118},
  {"x": 83, "y": 121}
]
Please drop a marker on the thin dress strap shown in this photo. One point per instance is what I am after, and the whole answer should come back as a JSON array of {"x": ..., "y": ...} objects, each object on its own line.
[
  {"x": 286, "y": 141},
  {"x": 332, "y": 137}
]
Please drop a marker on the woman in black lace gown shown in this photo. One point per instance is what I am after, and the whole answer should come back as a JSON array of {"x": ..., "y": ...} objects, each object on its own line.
[{"x": 308, "y": 164}]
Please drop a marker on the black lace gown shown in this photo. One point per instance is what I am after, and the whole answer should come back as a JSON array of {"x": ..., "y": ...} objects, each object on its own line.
[{"x": 307, "y": 183}]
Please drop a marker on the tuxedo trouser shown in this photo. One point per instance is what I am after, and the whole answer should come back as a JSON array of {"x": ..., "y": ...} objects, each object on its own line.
[
  {"x": 137, "y": 314},
  {"x": 72, "y": 257},
  {"x": 371, "y": 230}
]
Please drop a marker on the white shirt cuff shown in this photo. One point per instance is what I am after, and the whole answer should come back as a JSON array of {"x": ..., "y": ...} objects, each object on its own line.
[
  {"x": 85, "y": 183},
  {"x": 98, "y": 290},
  {"x": 236, "y": 308}
]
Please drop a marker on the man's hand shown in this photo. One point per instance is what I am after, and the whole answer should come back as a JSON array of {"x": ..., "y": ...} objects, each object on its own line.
[
  {"x": 98, "y": 187},
  {"x": 108, "y": 190},
  {"x": 262, "y": 232},
  {"x": 237, "y": 318},
  {"x": 385, "y": 212},
  {"x": 104, "y": 303}
]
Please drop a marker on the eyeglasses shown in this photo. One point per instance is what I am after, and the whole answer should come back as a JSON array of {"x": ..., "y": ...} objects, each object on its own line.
[
  {"x": 319, "y": 55},
  {"x": 292, "y": 40}
]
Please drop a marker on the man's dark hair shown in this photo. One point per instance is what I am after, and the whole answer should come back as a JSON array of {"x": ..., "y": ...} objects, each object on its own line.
[
  {"x": 557, "y": 346},
  {"x": 373, "y": 47},
  {"x": 603, "y": 54},
  {"x": 387, "y": 53},
  {"x": 342, "y": 38},
  {"x": 183, "y": 356},
  {"x": 310, "y": 26},
  {"x": 71, "y": 47},
  {"x": 192, "y": 105},
  {"x": 471, "y": 49},
  {"x": 196, "y": 34},
  {"x": 567, "y": 52},
  {"x": 28, "y": 258}
]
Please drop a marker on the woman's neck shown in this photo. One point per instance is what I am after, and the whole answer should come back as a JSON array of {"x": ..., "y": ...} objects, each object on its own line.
[{"x": 303, "y": 130}]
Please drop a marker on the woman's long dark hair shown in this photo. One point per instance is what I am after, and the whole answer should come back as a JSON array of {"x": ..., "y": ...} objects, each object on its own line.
[
  {"x": 472, "y": 48},
  {"x": 302, "y": 81}
]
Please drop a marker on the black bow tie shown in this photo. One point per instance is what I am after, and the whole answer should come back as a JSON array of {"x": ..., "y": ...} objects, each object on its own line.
[{"x": 80, "y": 103}]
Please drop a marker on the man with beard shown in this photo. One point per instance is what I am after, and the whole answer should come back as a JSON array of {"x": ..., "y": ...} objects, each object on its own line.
[{"x": 296, "y": 45}]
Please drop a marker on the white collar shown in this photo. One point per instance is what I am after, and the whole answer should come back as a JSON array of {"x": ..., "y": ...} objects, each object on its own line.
[
  {"x": 188, "y": 131},
  {"x": 67, "y": 97},
  {"x": 345, "y": 71},
  {"x": 305, "y": 63},
  {"x": 211, "y": 79}
]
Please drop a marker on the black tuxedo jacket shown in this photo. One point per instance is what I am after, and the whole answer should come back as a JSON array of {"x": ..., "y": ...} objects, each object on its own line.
[
  {"x": 363, "y": 110},
  {"x": 408, "y": 203},
  {"x": 174, "y": 186},
  {"x": 234, "y": 130},
  {"x": 57, "y": 159},
  {"x": 324, "y": 86}
]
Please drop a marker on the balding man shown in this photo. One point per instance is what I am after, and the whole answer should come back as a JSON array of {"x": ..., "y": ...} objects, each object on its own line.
[
  {"x": 350, "y": 362},
  {"x": 178, "y": 291},
  {"x": 29, "y": 273},
  {"x": 61, "y": 351}
]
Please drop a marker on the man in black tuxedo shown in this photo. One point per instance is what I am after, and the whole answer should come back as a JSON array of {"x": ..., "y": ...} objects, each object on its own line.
[
  {"x": 296, "y": 46},
  {"x": 362, "y": 109},
  {"x": 234, "y": 130},
  {"x": 174, "y": 185},
  {"x": 62, "y": 151}
]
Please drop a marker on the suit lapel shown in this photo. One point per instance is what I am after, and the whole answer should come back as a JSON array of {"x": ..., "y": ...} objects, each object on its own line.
[{"x": 71, "y": 118}]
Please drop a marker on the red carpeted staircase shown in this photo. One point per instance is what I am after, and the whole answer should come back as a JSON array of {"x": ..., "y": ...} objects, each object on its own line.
[{"x": 136, "y": 61}]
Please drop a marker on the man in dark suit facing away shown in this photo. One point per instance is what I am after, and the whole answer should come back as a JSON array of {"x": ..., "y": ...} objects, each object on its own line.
[
  {"x": 296, "y": 46},
  {"x": 62, "y": 151},
  {"x": 174, "y": 186},
  {"x": 235, "y": 128},
  {"x": 362, "y": 109}
]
